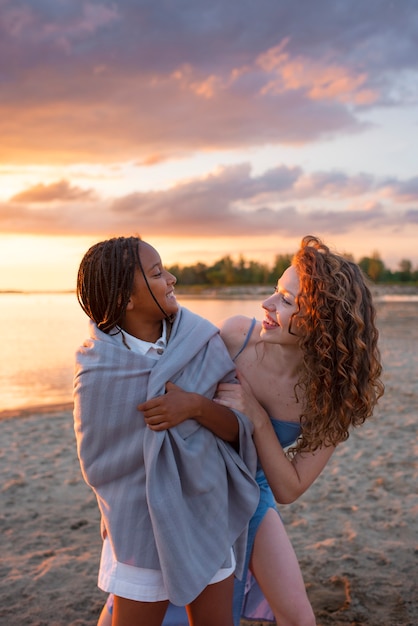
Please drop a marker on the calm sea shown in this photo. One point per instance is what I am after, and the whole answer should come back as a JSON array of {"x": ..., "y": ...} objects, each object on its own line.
[{"x": 40, "y": 333}]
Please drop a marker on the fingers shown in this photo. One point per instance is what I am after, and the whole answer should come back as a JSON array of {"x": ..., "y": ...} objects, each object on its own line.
[
  {"x": 150, "y": 410},
  {"x": 223, "y": 402},
  {"x": 169, "y": 386},
  {"x": 166, "y": 411},
  {"x": 159, "y": 400},
  {"x": 156, "y": 421},
  {"x": 160, "y": 426},
  {"x": 153, "y": 405},
  {"x": 149, "y": 405},
  {"x": 226, "y": 386},
  {"x": 228, "y": 393}
]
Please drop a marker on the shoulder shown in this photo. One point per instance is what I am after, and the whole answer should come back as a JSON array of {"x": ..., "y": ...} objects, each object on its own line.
[{"x": 234, "y": 331}]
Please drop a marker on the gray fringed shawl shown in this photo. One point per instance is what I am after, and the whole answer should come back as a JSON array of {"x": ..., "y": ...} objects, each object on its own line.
[{"x": 175, "y": 500}]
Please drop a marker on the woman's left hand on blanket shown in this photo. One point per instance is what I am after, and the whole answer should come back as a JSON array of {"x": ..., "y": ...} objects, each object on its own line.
[{"x": 166, "y": 411}]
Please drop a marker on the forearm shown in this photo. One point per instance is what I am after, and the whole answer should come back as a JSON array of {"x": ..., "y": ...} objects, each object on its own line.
[
  {"x": 281, "y": 475},
  {"x": 288, "y": 479},
  {"x": 177, "y": 405},
  {"x": 219, "y": 419}
]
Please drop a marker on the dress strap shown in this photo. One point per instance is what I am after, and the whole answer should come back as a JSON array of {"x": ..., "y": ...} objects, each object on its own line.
[{"x": 247, "y": 338}]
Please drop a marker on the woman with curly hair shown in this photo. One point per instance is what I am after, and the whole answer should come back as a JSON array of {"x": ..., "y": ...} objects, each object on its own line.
[{"x": 309, "y": 372}]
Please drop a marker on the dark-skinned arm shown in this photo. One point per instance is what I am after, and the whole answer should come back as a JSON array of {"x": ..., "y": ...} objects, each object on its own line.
[{"x": 177, "y": 405}]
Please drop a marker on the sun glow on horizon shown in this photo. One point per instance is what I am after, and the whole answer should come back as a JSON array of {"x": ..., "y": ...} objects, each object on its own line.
[
  {"x": 40, "y": 263},
  {"x": 50, "y": 263}
]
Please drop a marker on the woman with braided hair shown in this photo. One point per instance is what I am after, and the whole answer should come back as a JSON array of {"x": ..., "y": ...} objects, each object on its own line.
[{"x": 175, "y": 504}]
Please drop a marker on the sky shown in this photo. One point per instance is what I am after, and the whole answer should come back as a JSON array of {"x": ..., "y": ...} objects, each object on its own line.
[{"x": 209, "y": 129}]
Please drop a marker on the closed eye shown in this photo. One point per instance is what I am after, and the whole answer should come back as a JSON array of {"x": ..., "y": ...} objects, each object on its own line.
[{"x": 282, "y": 296}]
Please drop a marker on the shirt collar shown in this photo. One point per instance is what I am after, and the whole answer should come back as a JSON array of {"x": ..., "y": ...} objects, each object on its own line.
[{"x": 147, "y": 347}]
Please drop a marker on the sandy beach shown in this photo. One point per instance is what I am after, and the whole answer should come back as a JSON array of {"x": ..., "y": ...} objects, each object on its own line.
[{"x": 355, "y": 531}]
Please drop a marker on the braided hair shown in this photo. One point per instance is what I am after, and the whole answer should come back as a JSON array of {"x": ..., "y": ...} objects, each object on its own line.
[{"x": 105, "y": 280}]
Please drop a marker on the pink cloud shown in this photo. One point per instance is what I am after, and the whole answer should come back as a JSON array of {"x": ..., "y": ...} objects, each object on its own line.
[
  {"x": 60, "y": 191},
  {"x": 229, "y": 202}
]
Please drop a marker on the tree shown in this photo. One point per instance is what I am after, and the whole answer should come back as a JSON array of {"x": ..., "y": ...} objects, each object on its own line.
[
  {"x": 373, "y": 266},
  {"x": 281, "y": 263},
  {"x": 222, "y": 273},
  {"x": 405, "y": 270}
]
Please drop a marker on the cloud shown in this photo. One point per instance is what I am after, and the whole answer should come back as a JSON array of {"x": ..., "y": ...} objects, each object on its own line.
[
  {"x": 412, "y": 216},
  {"x": 94, "y": 81},
  {"x": 403, "y": 191},
  {"x": 229, "y": 202},
  {"x": 60, "y": 191}
]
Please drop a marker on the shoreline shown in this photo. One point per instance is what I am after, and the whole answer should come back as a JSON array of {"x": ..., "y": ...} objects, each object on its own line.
[
  {"x": 225, "y": 291},
  {"x": 37, "y": 409}
]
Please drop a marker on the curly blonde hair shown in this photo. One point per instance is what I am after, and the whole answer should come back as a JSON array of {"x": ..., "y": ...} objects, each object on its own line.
[{"x": 340, "y": 380}]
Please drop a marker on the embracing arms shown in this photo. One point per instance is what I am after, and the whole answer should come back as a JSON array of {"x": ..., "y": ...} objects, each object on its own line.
[
  {"x": 177, "y": 405},
  {"x": 288, "y": 478}
]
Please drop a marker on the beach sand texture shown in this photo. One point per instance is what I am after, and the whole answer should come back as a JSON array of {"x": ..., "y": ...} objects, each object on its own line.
[{"x": 355, "y": 530}]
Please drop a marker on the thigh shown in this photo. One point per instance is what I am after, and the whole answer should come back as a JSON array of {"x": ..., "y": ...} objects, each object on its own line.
[
  {"x": 276, "y": 569},
  {"x": 132, "y": 612},
  {"x": 213, "y": 605}
]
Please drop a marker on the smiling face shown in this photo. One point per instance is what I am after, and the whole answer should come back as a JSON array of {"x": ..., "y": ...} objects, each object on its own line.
[
  {"x": 279, "y": 309},
  {"x": 160, "y": 282}
]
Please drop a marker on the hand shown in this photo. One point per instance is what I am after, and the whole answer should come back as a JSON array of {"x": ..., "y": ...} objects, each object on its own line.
[
  {"x": 166, "y": 411},
  {"x": 230, "y": 395},
  {"x": 241, "y": 398}
]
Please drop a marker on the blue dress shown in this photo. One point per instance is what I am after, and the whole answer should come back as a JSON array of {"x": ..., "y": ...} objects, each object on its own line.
[{"x": 249, "y": 601}]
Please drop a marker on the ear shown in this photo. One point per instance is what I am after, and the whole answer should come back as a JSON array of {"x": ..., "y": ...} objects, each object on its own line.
[{"x": 130, "y": 304}]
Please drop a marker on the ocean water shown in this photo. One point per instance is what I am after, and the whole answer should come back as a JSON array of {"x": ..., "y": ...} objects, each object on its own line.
[{"x": 40, "y": 333}]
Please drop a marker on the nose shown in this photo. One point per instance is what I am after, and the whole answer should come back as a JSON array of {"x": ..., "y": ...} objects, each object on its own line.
[
  {"x": 171, "y": 279},
  {"x": 269, "y": 304}
]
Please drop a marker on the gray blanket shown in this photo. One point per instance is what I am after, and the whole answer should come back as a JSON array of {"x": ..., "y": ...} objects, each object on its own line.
[{"x": 175, "y": 500}]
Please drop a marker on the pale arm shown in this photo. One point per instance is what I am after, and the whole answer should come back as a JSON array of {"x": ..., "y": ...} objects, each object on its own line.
[
  {"x": 287, "y": 478},
  {"x": 177, "y": 405}
]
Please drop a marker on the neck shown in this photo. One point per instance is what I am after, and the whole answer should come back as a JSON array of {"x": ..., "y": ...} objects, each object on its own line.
[
  {"x": 150, "y": 331},
  {"x": 286, "y": 360}
]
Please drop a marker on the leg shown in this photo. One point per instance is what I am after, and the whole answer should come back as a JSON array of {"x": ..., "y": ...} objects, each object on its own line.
[
  {"x": 105, "y": 618},
  {"x": 213, "y": 605},
  {"x": 274, "y": 564},
  {"x": 134, "y": 613}
]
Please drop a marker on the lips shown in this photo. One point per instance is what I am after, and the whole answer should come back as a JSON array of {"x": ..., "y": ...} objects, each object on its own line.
[{"x": 269, "y": 324}]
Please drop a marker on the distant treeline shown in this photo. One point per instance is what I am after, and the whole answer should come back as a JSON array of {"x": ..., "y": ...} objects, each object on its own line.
[{"x": 226, "y": 271}]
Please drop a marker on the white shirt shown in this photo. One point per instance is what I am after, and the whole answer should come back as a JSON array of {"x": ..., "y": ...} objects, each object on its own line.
[{"x": 154, "y": 350}]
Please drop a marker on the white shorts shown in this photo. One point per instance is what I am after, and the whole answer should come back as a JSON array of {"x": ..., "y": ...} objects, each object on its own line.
[{"x": 136, "y": 583}]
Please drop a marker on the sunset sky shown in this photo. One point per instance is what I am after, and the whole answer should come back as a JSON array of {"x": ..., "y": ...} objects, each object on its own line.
[{"x": 209, "y": 128}]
